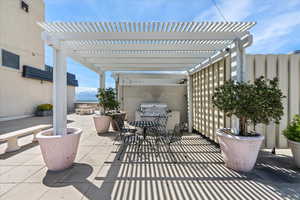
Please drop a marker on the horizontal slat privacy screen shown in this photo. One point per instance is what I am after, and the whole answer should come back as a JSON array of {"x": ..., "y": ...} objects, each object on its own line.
[{"x": 206, "y": 118}]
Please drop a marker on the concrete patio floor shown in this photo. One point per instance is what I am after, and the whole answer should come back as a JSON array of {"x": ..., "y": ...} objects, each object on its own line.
[{"x": 97, "y": 174}]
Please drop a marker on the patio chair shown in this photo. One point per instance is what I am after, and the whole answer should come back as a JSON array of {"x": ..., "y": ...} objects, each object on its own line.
[
  {"x": 173, "y": 137},
  {"x": 159, "y": 131},
  {"x": 125, "y": 135}
]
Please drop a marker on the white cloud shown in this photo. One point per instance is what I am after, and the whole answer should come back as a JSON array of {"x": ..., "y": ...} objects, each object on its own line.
[
  {"x": 276, "y": 20},
  {"x": 273, "y": 33}
]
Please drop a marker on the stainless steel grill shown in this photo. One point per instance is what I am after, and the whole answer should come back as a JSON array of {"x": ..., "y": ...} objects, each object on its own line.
[{"x": 153, "y": 109}]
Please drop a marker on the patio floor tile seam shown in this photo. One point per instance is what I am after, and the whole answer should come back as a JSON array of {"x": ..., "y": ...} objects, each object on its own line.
[
  {"x": 19, "y": 184},
  {"x": 12, "y": 188}
]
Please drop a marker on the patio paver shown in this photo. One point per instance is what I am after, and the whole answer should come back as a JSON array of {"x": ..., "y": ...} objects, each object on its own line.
[{"x": 97, "y": 174}]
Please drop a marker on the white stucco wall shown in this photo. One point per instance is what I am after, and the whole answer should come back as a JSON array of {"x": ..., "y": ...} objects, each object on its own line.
[
  {"x": 133, "y": 89},
  {"x": 173, "y": 96},
  {"x": 20, "y": 34}
]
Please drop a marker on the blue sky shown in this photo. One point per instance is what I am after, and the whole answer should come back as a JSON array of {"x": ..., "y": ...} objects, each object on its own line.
[{"x": 277, "y": 29}]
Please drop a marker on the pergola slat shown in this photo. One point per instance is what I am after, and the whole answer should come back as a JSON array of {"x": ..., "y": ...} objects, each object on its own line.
[
  {"x": 162, "y": 43},
  {"x": 142, "y": 46}
]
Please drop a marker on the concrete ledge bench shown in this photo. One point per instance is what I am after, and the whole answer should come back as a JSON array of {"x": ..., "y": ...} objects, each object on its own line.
[{"x": 12, "y": 137}]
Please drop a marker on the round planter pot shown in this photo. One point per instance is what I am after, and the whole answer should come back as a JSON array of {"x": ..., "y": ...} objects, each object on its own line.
[
  {"x": 120, "y": 116},
  {"x": 59, "y": 151},
  {"x": 239, "y": 153},
  {"x": 295, "y": 147},
  {"x": 102, "y": 123}
]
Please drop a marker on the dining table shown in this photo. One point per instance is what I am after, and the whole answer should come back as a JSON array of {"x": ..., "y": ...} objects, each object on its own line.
[{"x": 144, "y": 125}]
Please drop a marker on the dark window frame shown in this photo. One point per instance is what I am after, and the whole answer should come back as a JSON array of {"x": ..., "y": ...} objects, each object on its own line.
[
  {"x": 8, "y": 59},
  {"x": 24, "y": 6}
]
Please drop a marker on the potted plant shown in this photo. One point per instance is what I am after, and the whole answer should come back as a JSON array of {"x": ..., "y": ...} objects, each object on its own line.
[
  {"x": 115, "y": 116},
  {"x": 292, "y": 133},
  {"x": 44, "y": 110},
  {"x": 108, "y": 103},
  {"x": 260, "y": 102}
]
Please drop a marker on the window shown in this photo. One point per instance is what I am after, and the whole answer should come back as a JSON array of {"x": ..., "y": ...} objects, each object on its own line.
[
  {"x": 10, "y": 59},
  {"x": 24, "y": 6}
]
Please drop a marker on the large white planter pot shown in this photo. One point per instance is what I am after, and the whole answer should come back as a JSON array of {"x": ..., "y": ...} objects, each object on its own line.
[
  {"x": 295, "y": 147},
  {"x": 102, "y": 123},
  {"x": 239, "y": 153},
  {"x": 59, "y": 151}
]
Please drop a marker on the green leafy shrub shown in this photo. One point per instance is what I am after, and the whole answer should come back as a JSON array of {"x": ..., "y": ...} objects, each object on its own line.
[
  {"x": 44, "y": 107},
  {"x": 107, "y": 99},
  {"x": 260, "y": 102},
  {"x": 292, "y": 132}
]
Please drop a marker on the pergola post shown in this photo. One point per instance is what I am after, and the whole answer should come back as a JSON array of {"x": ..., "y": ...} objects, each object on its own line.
[
  {"x": 102, "y": 80},
  {"x": 238, "y": 67},
  {"x": 190, "y": 103},
  {"x": 59, "y": 93},
  {"x": 240, "y": 58}
]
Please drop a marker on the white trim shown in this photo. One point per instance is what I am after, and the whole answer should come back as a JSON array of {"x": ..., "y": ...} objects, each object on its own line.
[{"x": 147, "y": 35}]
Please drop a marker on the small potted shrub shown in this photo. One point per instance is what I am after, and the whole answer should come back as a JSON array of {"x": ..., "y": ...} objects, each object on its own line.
[
  {"x": 256, "y": 103},
  {"x": 108, "y": 103},
  {"x": 292, "y": 133},
  {"x": 44, "y": 110}
]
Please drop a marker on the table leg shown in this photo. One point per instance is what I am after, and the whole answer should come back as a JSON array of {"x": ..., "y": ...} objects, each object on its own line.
[{"x": 144, "y": 132}]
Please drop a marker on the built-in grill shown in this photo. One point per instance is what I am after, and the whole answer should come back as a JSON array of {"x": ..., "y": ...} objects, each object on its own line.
[{"x": 153, "y": 109}]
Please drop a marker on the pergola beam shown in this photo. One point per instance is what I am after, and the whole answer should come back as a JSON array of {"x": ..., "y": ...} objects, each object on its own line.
[
  {"x": 135, "y": 65},
  {"x": 151, "y": 47},
  {"x": 169, "y": 55},
  {"x": 244, "y": 42},
  {"x": 128, "y": 68},
  {"x": 158, "y": 61},
  {"x": 65, "y": 36}
]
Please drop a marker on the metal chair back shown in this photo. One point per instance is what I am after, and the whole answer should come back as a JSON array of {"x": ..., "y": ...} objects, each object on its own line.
[{"x": 162, "y": 121}]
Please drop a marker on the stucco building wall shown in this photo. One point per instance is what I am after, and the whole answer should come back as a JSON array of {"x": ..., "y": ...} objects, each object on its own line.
[
  {"x": 174, "y": 96},
  {"x": 20, "y": 34},
  {"x": 136, "y": 88}
]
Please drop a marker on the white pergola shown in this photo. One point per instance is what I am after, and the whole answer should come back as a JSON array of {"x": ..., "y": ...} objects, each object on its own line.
[{"x": 140, "y": 46}]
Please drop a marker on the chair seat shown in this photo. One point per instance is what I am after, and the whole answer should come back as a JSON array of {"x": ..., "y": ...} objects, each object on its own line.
[
  {"x": 128, "y": 133},
  {"x": 131, "y": 130}
]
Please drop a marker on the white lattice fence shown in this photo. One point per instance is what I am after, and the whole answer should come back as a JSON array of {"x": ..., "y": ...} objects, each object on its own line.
[{"x": 207, "y": 119}]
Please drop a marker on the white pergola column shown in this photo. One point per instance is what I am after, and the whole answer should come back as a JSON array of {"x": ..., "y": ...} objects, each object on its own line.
[
  {"x": 190, "y": 103},
  {"x": 239, "y": 58},
  {"x": 238, "y": 67},
  {"x": 102, "y": 80},
  {"x": 59, "y": 93}
]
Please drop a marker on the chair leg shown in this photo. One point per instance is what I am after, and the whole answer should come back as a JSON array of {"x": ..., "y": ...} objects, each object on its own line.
[
  {"x": 116, "y": 138},
  {"x": 157, "y": 147},
  {"x": 123, "y": 148},
  {"x": 181, "y": 146},
  {"x": 171, "y": 152}
]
